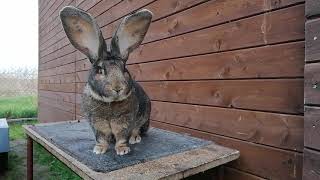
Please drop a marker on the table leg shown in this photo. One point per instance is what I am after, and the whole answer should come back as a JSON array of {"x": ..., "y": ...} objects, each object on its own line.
[
  {"x": 29, "y": 158},
  {"x": 221, "y": 172}
]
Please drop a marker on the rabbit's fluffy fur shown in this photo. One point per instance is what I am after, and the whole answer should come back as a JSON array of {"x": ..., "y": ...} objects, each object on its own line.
[{"x": 116, "y": 106}]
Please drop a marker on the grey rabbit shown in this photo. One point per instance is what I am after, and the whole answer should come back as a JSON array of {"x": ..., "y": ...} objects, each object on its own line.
[{"x": 116, "y": 106}]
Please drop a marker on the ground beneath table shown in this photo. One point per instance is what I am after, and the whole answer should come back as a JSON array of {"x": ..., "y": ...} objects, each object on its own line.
[{"x": 17, "y": 156}]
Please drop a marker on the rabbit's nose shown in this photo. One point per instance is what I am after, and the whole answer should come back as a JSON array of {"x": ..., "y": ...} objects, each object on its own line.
[{"x": 118, "y": 89}]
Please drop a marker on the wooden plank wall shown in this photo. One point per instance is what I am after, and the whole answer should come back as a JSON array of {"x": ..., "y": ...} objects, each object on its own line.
[
  {"x": 224, "y": 70},
  {"x": 311, "y": 160}
]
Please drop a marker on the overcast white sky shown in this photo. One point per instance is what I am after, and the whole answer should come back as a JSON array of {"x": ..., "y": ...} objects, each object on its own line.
[{"x": 19, "y": 34}]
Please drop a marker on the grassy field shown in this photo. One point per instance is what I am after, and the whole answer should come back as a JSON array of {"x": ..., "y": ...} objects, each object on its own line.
[{"x": 18, "y": 107}]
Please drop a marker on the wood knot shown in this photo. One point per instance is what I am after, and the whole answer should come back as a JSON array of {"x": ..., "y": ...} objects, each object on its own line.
[
  {"x": 238, "y": 24},
  {"x": 284, "y": 136},
  {"x": 276, "y": 3},
  {"x": 139, "y": 68},
  {"x": 215, "y": 94},
  {"x": 173, "y": 26},
  {"x": 226, "y": 71},
  {"x": 218, "y": 44},
  {"x": 244, "y": 68},
  {"x": 177, "y": 5},
  {"x": 167, "y": 75}
]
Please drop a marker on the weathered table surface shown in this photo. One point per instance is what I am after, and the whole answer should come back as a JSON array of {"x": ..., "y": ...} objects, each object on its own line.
[{"x": 161, "y": 154}]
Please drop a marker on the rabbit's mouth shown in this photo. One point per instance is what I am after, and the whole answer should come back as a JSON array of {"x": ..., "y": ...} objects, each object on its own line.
[{"x": 123, "y": 96}]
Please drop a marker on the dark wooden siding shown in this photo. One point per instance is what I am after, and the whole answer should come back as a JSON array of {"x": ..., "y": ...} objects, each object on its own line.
[
  {"x": 311, "y": 165},
  {"x": 225, "y": 70}
]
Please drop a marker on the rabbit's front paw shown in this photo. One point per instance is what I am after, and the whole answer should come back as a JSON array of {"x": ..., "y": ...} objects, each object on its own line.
[
  {"x": 122, "y": 150},
  {"x": 100, "y": 148},
  {"x": 135, "y": 139}
]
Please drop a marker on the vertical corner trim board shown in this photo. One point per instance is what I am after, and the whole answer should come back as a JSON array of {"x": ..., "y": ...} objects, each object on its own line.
[
  {"x": 239, "y": 61},
  {"x": 311, "y": 158}
]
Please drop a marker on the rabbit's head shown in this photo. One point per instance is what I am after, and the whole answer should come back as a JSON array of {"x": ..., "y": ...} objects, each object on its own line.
[{"x": 108, "y": 80}]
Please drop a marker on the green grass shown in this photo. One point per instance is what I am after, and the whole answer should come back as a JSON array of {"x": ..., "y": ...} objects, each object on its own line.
[
  {"x": 58, "y": 170},
  {"x": 15, "y": 167},
  {"x": 16, "y": 130},
  {"x": 18, "y": 107}
]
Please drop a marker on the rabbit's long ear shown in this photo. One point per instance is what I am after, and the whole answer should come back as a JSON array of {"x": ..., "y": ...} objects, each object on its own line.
[
  {"x": 130, "y": 33},
  {"x": 82, "y": 31}
]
